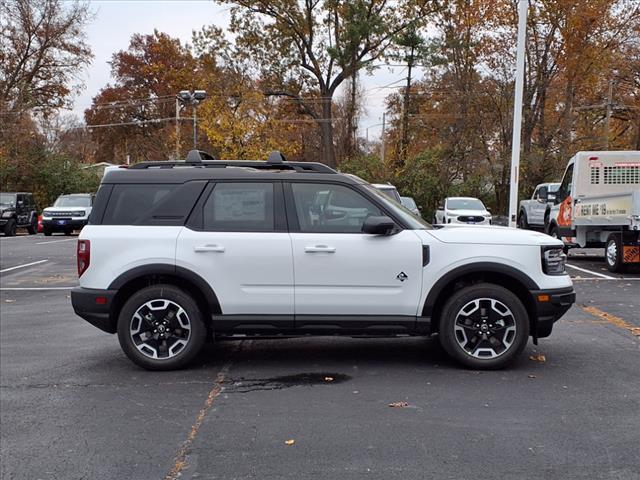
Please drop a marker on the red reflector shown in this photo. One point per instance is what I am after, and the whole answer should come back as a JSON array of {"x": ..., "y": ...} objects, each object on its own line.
[
  {"x": 101, "y": 300},
  {"x": 84, "y": 256}
]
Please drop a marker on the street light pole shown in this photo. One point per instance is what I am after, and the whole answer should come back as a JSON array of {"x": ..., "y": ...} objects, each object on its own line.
[
  {"x": 192, "y": 98},
  {"x": 523, "y": 6}
]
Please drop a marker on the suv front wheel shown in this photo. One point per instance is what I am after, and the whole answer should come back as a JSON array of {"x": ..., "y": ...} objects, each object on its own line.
[
  {"x": 484, "y": 326},
  {"x": 161, "y": 328}
]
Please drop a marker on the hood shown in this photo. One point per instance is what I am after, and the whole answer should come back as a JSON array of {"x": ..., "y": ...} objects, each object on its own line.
[
  {"x": 466, "y": 213},
  {"x": 486, "y": 235},
  {"x": 67, "y": 209}
]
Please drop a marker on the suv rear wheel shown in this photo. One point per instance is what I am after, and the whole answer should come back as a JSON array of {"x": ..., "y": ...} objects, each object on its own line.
[
  {"x": 33, "y": 226},
  {"x": 484, "y": 326},
  {"x": 161, "y": 328}
]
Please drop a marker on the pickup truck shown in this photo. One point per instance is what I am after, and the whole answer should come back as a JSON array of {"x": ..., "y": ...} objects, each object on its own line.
[
  {"x": 534, "y": 212},
  {"x": 598, "y": 205}
]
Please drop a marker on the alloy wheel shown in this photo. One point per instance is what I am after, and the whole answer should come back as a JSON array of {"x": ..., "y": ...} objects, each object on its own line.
[
  {"x": 485, "y": 328},
  {"x": 160, "y": 329}
]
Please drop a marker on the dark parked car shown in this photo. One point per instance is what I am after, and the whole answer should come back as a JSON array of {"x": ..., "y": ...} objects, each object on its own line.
[{"x": 18, "y": 210}]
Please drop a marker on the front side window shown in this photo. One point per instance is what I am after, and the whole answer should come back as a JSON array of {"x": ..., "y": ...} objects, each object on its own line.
[
  {"x": 565, "y": 187},
  {"x": 240, "y": 207},
  {"x": 326, "y": 208}
]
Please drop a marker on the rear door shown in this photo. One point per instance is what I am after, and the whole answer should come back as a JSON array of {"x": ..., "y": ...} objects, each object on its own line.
[
  {"x": 343, "y": 277},
  {"x": 239, "y": 244}
]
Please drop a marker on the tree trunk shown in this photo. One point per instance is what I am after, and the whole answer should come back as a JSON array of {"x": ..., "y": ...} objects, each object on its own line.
[{"x": 326, "y": 131}]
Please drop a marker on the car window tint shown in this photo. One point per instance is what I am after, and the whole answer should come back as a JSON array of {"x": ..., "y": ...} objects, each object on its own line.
[
  {"x": 331, "y": 208},
  {"x": 240, "y": 207},
  {"x": 132, "y": 203}
]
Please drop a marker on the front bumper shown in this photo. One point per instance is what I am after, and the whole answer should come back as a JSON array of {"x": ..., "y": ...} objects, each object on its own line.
[
  {"x": 85, "y": 304},
  {"x": 63, "y": 224},
  {"x": 3, "y": 221},
  {"x": 550, "y": 306}
]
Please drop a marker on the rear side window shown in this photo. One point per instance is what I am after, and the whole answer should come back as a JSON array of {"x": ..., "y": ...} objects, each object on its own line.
[
  {"x": 130, "y": 204},
  {"x": 240, "y": 207}
]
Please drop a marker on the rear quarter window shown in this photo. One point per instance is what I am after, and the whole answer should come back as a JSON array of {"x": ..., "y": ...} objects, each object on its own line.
[{"x": 131, "y": 204}]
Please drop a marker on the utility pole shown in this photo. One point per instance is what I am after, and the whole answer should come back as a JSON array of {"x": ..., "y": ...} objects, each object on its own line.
[
  {"x": 607, "y": 118},
  {"x": 177, "y": 128},
  {"x": 405, "y": 109},
  {"x": 192, "y": 98},
  {"x": 523, "y": 6},
  {"x": 382, "y": 137}
]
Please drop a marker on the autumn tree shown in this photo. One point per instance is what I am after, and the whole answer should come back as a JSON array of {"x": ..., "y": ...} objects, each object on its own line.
[
  {"x": 42, "y": 50},
  {"x": 310, "y": 47},
  {"x": 140, "y": 103}
]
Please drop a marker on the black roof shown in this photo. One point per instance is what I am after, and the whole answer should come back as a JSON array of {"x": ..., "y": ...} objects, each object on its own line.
[{"x": 199, "y": 167}]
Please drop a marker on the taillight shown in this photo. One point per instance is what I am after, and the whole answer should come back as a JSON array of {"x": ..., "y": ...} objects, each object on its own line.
[{"x": 84, "y": 256}]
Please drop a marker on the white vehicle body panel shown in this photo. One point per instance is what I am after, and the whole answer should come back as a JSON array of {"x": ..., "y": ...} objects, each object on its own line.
[
  {"x": 116, "y": 249},
  {"x": 250, "y": 272},
  {"x": 357, "y": 274}
]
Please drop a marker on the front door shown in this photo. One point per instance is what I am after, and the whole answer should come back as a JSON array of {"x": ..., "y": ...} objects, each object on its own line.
[
  {"x": 344, "y": 277},
  {"x": 243, "y": 251}
]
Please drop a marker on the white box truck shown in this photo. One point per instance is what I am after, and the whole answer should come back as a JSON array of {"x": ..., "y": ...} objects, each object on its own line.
[{"x": 598, "y": 205}]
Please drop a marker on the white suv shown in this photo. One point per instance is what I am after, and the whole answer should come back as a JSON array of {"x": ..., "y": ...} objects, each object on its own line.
[{"x": 173, "y": 256}]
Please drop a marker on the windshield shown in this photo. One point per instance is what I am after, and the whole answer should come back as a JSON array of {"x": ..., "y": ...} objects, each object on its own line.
[
  {"x": 390, "y": 192},
  {"x": 408, "y": 202},
  {"x": 8, "y": 199},
  {"x": 414, "y": 222},
  {"x": 464, "y": 204},
  {"x": 66, "y": 201}
]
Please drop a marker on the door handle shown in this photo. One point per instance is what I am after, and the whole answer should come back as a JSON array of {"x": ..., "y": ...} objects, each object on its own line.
[
  {"x": 320, "y": 249},
  {"x": 208, "y": 248}
]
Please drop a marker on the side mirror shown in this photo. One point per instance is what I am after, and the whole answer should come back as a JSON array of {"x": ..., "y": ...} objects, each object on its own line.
[
  {"x": 543, "y": 195},
  {"x": 378, "y": 225},
  {"x": 487, "y": 209}
]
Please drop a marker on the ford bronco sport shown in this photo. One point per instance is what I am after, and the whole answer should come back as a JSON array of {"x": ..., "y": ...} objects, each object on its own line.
[{"x": 178, "y": 252}]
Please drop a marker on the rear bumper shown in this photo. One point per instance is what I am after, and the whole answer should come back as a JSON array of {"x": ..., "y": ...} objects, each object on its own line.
[
  {"x": 551, "y": 305},
  {"x": 84, "y": 304},
  {"x": 54, "y": 225}
]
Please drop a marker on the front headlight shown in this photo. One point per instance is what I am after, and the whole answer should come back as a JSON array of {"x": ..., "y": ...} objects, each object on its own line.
[
  {"x": 553, "y": 261},
  {"x": 7, "y": 214}
]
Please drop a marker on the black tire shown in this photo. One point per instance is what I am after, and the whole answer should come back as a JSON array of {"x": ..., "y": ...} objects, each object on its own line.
[
  {"x": 503, "y": 329},
  {"x": 553, "y": 232},
  {"x": 47, "y": 232},
  {"x": 522, "y": 221},
  {"x": 613, "y": 253},
  {"x": 193, "y": 340},
  {"x": 10, "y": 228},
  {"x": 33, "y": 227},
  {"x": 547, "y": 214}
]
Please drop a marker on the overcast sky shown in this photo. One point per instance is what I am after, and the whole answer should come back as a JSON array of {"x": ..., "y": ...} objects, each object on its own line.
[{"x": 116, "y": 20}]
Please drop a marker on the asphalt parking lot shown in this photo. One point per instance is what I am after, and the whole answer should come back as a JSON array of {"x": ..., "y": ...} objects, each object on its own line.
[{"x": 73, "y": 406}]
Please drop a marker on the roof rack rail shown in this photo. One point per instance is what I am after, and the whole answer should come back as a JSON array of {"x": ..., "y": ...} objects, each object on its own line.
[{"x": 275, "y": 161}]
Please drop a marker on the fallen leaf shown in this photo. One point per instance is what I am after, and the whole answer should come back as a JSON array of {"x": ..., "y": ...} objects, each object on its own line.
[
  {"x": 531, "y": 376},
  {"x": 328, "y": 379},
  {"x": 9, "y": 301},
  {"x": 635, "y": 331},
  {"x": 538, "y": 358},
  {"x": 289, "y": 442},
  {"x": 399, "y": 404}
]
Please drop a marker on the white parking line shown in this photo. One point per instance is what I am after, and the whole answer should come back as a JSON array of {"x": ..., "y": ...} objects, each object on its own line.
[
  {"x": 23, "y": 266},
  {"x": 28, "y": 289},
  {"x": 592, "y": 273},
  {"x": 56, "y": 241}
]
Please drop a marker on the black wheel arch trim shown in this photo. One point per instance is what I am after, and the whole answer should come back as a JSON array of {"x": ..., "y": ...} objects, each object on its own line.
[
  {"x": 173, "y": 270},
  {"x": 479, "y": 267}
]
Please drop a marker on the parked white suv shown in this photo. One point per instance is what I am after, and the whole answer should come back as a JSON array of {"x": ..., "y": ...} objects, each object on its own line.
[
  {"x": 462, "y": 210},
  {"x": 68, "y": 213},
  {"x": 172, "y": 256}
]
